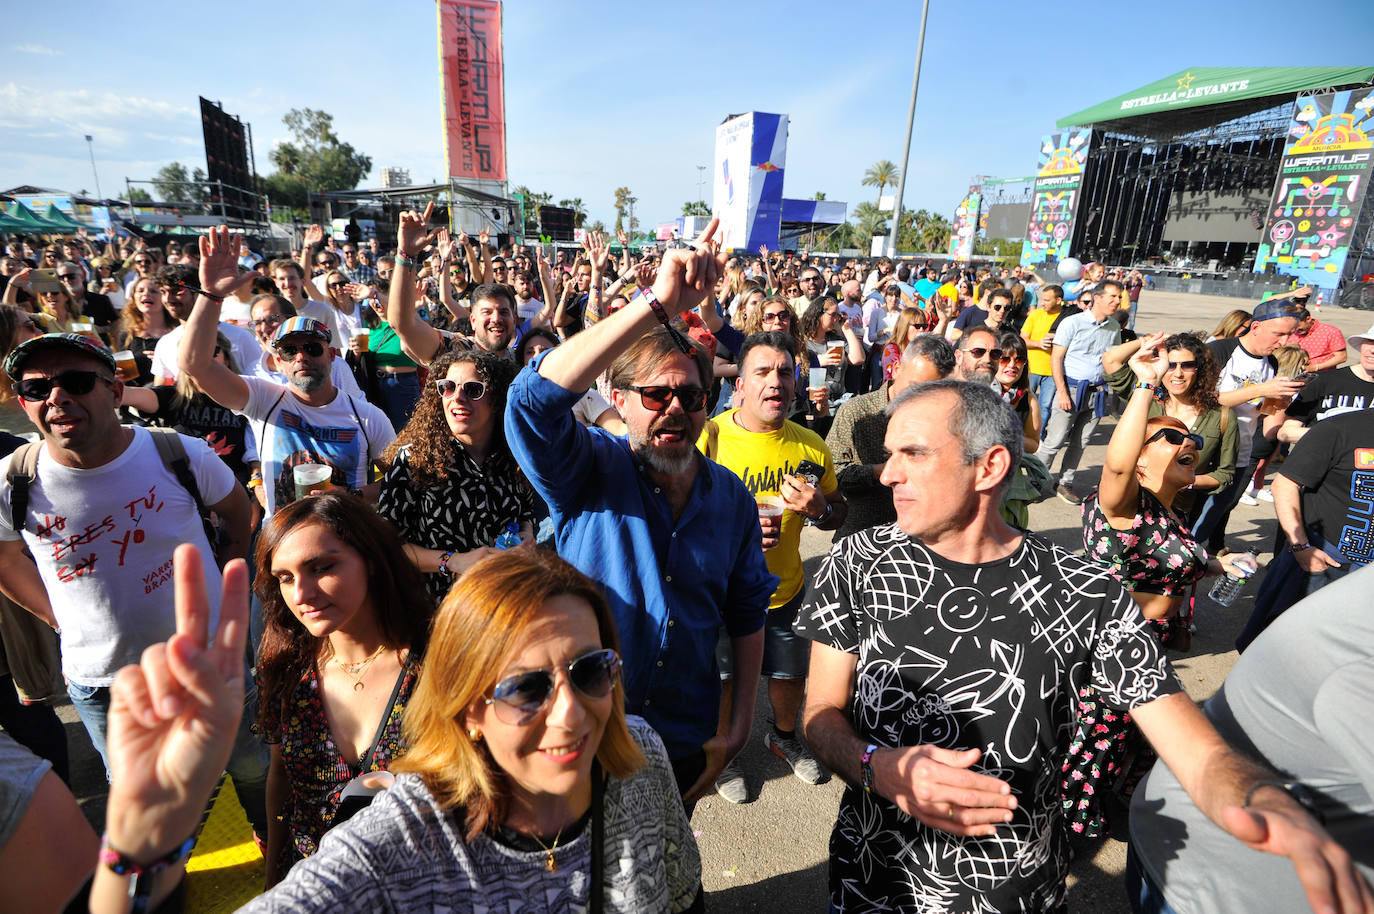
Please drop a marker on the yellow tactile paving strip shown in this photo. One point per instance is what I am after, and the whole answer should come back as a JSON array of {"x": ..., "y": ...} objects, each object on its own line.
[{"x": 225, "y": 871}]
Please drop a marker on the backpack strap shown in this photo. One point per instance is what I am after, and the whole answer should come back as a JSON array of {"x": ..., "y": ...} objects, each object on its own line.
[
  {"x": 174, "y": 458},
  {"x": 367, "y": 442},
  {"x": 22, "y": 472}
]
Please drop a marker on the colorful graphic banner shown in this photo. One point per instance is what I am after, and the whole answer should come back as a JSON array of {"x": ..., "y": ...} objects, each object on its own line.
[
  {"x": 965, "y": 225},
  {"x": 1320, "y": 187},
  {"x": 751, "y": 150},
  {"x": 1054, "y": 198},
  {"x": 470, "y": 68}
]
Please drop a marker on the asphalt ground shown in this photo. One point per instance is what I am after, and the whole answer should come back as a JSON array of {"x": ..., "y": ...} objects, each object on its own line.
[{"x": 770, "y": 854}]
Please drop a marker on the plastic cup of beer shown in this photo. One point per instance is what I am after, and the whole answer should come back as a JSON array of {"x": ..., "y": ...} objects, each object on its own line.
[
  {"x": 126, "y": 366},
  {"x": 85, "y": 328},
  {"x": 310, "y": 477},
  {"x": 835, "y": 347},
  {"x": 816, "y": 378},
  {"x": 362, "y": 339},
  {"x": 770, "y": 506}
]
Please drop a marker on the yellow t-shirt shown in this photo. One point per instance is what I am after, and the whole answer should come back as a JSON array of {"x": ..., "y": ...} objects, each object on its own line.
[
  {"x": 761, "y": 460},
  {"x": 1037, "y": 324}
]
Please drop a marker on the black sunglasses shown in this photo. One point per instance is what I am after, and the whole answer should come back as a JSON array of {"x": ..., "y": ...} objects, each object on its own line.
[
  {"x": 978, "y": 352},
  {"x": 290, "y": 350},
  {"x": 1189, "y": 365},
  {"x": 518, "y": 699},
  {"x": 337, "y": 285},
  {"x": 774, "y": 317},
  {"x": 471, "y": 390},
  {"x": 693, "y": 399},
  {"x": 1176, "y": 438},
  {"x": 73, "y": 381}
]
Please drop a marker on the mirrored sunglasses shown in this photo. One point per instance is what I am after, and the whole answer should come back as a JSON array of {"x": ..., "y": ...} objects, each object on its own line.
[{"x": 518, "y": 699}]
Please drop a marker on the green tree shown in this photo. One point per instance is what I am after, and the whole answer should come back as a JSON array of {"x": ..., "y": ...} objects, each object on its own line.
[
  {"x": 174, "y": 184},
  {"x": 818, "y": 195},
  {"x": 139, "y": 195},
  {"x": 315, "y": 156},
  {"x": 696, "y": 208},
  {"x": 881, "y": 174},
  {"x": 597, "y": 226},
  {"x": 533, "y": 200},
  {"x": 623, "y": 199},
  {"x": 869, "y": 221}
]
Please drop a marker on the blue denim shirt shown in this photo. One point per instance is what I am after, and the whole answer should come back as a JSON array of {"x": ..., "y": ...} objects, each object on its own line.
[{"x": 671, "y": 585}]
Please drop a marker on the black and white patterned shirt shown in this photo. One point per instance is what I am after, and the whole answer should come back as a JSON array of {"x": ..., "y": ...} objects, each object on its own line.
[
  {"x": 984, "y": 656},
  {"x": 468, "y": 509},
  {"x": 403, "y": 854}
]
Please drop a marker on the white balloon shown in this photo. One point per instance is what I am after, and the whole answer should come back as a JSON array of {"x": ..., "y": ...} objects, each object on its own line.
[{"x": 1070, "y": 268}]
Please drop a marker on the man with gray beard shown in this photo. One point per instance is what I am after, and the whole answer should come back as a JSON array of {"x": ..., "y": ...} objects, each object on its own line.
[
  {"x": 307, "y": 420},
  {"x": 672, "y": 536}
]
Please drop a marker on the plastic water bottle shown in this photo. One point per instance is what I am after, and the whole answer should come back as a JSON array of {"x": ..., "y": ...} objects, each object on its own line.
[
  {"x": 1228, "y": 586},
  {"x": 510, "y": 538}
]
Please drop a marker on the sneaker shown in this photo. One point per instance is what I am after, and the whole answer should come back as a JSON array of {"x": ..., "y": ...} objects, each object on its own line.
[
  {"x": 1067, "y": 494},
  {"x": 794, "y": 752},
  {"x": 732, "y": 786},
  {"x": 1247, "y": 499},
  {"x": 1265, "y": 495}
]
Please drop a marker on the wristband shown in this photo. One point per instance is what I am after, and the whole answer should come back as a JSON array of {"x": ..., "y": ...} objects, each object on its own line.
[
  {"x": 405, "y": 261},
  {"x": 443, "y": 562},
  {"x": 1297, "y": 792},
  {"x": 825, "y": 515},
  {"x": 142, "y": 875},
  {"x": 1295, "y": 548},
  {"x": 649, "y": 296},
  {"x": 866, "y": 766}
]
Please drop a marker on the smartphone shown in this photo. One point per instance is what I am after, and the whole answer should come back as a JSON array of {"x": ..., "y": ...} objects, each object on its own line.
[
  {"x": 810, "y": 471},
  {"x": 44, "y": 280}
]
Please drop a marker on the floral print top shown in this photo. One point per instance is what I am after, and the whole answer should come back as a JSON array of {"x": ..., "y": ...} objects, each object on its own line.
[
  {"x": 316, "y": 772},
  {"x": 1157, "y": 555}
]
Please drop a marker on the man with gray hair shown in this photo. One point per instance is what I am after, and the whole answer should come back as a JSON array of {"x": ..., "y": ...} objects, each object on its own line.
[
  {"x": 856, "y": 437},
  {"x": 948, "y": 651}
]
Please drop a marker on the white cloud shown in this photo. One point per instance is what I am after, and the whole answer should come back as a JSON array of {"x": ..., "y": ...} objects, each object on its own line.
[{"x": 37, "y": 49}]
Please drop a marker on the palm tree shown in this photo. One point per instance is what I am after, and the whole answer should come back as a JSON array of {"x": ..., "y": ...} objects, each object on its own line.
[
  {"x": 881, "y": 174},
  {"x": 868, "y": 222},
  {"x": 623, "y": 196},
  {"x": 819, "y": 195},
  {"x": 696, "y": 208},
  {"x": 579, "y": 210}
]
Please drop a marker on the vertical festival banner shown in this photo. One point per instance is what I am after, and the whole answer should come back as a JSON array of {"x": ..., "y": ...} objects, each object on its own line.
[
  {"x": 1321, "y": 184},
  {"x": 470, "y": 67},
  {"x": 751, "y": 153},
  {"x": 965, "y": 225},
  {"x": 1054, "y": 198}
]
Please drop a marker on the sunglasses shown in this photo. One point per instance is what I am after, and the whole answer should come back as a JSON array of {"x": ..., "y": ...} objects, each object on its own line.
[
  {"x": 69, "y": 277},
  {"x": 471, "y": 390},
  {"x": 999, "y": 307},
  {"x": 1176, "y": 438},
  {"x": 143, "y": 262},
  {"x": 272, "y": 320},
  {"x": 74, "y": 382},
  {"x": 1189, "y": 365},
  {"x": 290, "y": 350},
  {"x": 978, "y": 352},
  {"x": 518, "y": 699},
  {"x": 337, "y": 285},
  {"x": 693, "y": 399},
  {"x": 1011, "y": 359},
  {"x": 775, "y": 317}
]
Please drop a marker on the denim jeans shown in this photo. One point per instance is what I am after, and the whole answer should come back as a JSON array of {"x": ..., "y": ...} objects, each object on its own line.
[
  {"x": 1285, "y": 584},
  {"x": 400, "y": 393},
  {"x": 1043, "y": 389},
  {"x": 1209, "y": 527},
  {"x": 1071, "y": 431},
  {"x": 248, "y": 762},
  {"x": 1141, "y": 891}
]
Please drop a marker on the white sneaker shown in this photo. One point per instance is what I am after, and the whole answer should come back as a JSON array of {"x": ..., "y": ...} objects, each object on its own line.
[
  {"x": 1247, "y": 499},
  {"x": 1265, "y": 495}
]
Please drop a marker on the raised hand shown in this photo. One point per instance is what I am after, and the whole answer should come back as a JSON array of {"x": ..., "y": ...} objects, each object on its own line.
[
  {"x": 763, "y": 251},
  {"x": 173, "y": 717},
  {"x": 687, "y": 275},
  {"x": 1148, "y": 363},
  {"x": 464, "y": 240},
  {"x": 485, "y": 237},
  {"x": 598, "y": 251},
  {"x": 313, "y": 236},
  {"x": 623, "y": 239},
  {"x": 357, "y": 291},
  {"x": 445, "y": 243},
  {"x": 219, "y": 262},
  {"x": 410, "y": 230}
]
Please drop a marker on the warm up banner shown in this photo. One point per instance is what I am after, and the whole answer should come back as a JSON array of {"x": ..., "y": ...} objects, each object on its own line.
[
  {"x": 1321, "y": 183},
  {"x": 473, "y": 89},
  {"x": 1054, "y": 198},
  {"x": 965, "y": 226}
]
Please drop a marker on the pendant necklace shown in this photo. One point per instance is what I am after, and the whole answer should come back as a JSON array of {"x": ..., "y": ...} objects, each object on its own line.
[
  {"x": 356, "y": 671},
  {"x": 548, "y": 850}
]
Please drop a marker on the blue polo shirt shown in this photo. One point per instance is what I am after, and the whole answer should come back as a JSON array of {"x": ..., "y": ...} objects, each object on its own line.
[
  {"x": 1084, "y": 341},
  {"x": 671, "y": 584}
]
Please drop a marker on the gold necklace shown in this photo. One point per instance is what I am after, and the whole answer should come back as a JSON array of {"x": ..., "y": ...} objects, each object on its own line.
[
  {"x": 356, "y": 671},
  {"x": 548, "y": 851}
]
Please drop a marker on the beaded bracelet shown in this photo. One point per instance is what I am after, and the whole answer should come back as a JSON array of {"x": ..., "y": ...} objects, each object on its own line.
[{"x": 142, "y": 874}]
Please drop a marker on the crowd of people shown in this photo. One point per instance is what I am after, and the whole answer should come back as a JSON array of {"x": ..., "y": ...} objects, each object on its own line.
[{"x": 463, "y": 562}]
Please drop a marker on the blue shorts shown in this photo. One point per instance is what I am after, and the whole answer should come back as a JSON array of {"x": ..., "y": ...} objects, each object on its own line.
[{"x": 786, "y": 655}]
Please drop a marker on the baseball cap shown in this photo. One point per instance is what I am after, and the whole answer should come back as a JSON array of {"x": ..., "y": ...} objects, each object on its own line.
[
  {"x": 1276, "y": 307},
  {"x": 305, "y": 325},
  {"x": 1360, "y": 339},
  {"x": 73, "y": 342}
]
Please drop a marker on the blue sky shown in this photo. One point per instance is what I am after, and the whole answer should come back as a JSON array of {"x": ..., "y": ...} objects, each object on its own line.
[{"x": 624, "y": 93}]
